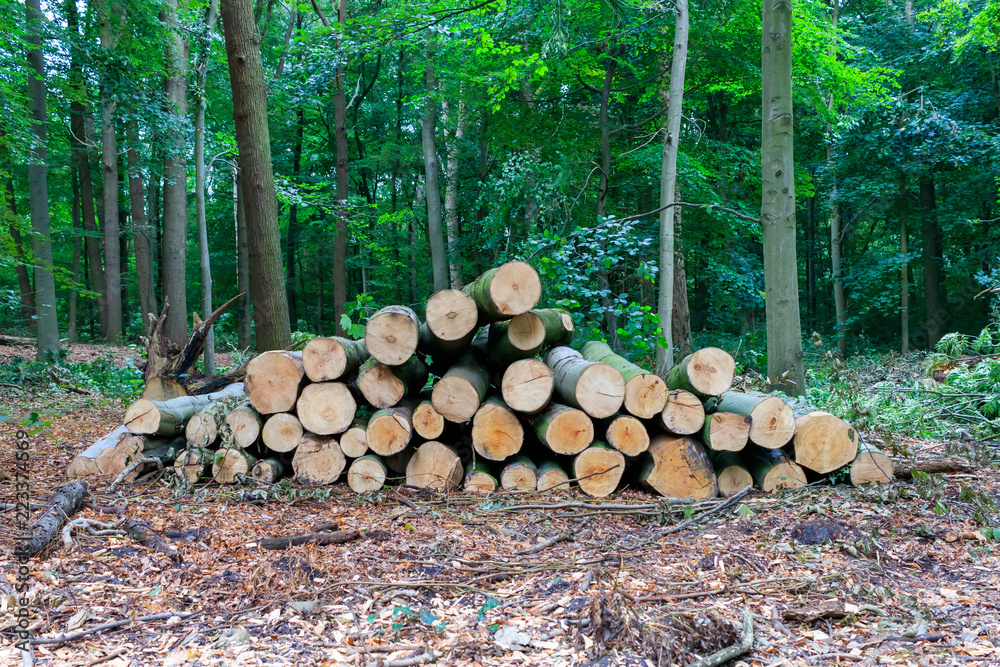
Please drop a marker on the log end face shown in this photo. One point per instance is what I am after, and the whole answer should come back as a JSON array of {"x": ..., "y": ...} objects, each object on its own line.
[
  {"x": 392, "y": 334},
  {"x": 515, "y": 288},
  {"x": 570, "y": 432},
  {"x": 527, "y": 385},
  {"x": 645, "y": 395},
  {"x": 679, "y": 467},
  {"x": 773, "y": 423},
  {"x": 142, "y": 417},
  {"x": 326, "y": 408},
  {"x": 608, "y": 464},
  {"x": 455, "y": 399},
  {"x": 380, "y": 386},
  {"x": 710, "y": 371},
  {"x": 683, "y": 413},
  {"x": 497, "y": 433},
  {"x": 324, "y": 359},
  {"x": 452, "y": 314},
  {"x": 434, "y": 465},
  {"x": 628, "y": 435},
  {"x": 600, "y": 391}
]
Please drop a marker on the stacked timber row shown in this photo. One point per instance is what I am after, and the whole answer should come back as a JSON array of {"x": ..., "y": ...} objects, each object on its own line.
[{"x": 487, "y": 392}]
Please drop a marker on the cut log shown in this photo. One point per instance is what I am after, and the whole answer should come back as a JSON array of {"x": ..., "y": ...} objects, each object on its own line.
[
  {"x": 427, "y": 422},
  {"x": 162, "y": 388},
  {"x": 773, "y": 470},
  {"x": 506, "y": 291},
  {"x": 527, "y": 334},
  {"x": 169, "y": 418},
  {"x": 563, "y": 429},
  {"x": 527, "y": 386},
  {"x": 726, "y": 431},
  {"x": 267, "y": 471},
  {"x": 626, "y": 434},
  {"x": 451, "y": 315},
  {"x": 478, "y": 479},
  {"x": 519, "y": 474},
  {"x": 282, "y": 432},
  {"x": 202, "y": 429},
  {"x": 871, "y": 466},
  {"x": 733, "y": 475},
  {"x": 678, "y": 467},
  {"x": 86, "y": 462},
  {"x": 318, "y": 460},
  {"x": 707, "y": 372},
  {"x": 241, "y": 427},
  {"x": 397, "y": 462},
  {"x": 326, "y": 408},
  {"x": 683, "y": 414},
  {"x": 938, "y": 466},
  {"x": 65, "y": 502},
  {"x": 823, "y": 442},
  {"x": 596, "y": 388},
  {"x": 391, "y": 335},
  {"x": 384, "y": 386},
  {"x": 231, "y": 465},
  {"x": 772, "y": 420},
  {"x": 274, "y": 380},
  {"x": 434, "y": 466},
  {"x": 552, "y": 476},
  {"x": 354, "y": 441},
  {"x": 390, "y": 430},
  {"x": 135, "y": 446},
  {"x": 645, "y": 392},
  {"x": 329, "y": 359},
  {"x": 497, "y": 433},
  {"x": 193, "y": 464},
  {"x": 459, "y": 393},
  {"x": 598, "y": 470},
  {"x": 213, "y": 383},
  {"x": 367, "y": 474}
]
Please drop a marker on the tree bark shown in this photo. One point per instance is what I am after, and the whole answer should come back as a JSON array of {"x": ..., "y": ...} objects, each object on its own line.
[
  {"x": 784, "y": 331},
  {"x": 174, "y": 246},
  {"x": 27, "y": 294},
  {"x": 610, "y": 319},
  {"x": 432, "y": 190},
  {"x": 244, "y": 314},
  {"x": 839, "y": 301},
  {"x": 140, "y": 227},
  {"x": 41, "y": 242},
  {"x": 935, "y": 314},
  {"x": 108, "y": 15},
  {"x": 904, "y": 278},
  {"x": 77, "y": 229},
  {"x": 201, "y": 82},
  {"x": 293, "y": 223},
  {"x": 451, "y": 193},
  {"x": 340, "y": 241},
  {"x": 246, "y": 76},
  {"x": 668, "y": 184},
  {"x": 682, "y": 312}
]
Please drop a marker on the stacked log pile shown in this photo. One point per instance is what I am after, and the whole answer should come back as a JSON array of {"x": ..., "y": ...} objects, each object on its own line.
[{"x": 486, "y": 394}]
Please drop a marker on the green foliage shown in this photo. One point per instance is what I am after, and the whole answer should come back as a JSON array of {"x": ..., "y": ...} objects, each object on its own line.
[{"x": 100, "y": 375}]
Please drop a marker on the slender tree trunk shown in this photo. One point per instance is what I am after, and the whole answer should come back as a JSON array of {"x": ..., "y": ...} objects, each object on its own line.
[
  {"x": 204, "y": 256},
  {"x": 484, "y": 170},
  {"x": 396, "y": 166},
  {"x": 293, "y": 15},
  {"x": 77, "y": 243},
  {"x": 174, "y": 246},
  {"x": 140, "y": 228},
  {"x": 343, "y": 183},
  {"x": 451, "y": 193},
  {"x": 811, "y": 262},
  {"x": 837, "y": 271},
  {"x": 932, "y": 261},
  {"x": 784, "y": 330},
  {"x": 668, "y": 184},
  {"x": 319, "y": 293},
  {"x": 47, "y": 329},
  {"x": 246, "y": 75},
  {"x": 904, "y": 278},
  {"x": 123, "y": 245},
  {"x": 293, "y": 225},
  {"x": 681, "y": 312},
  {"x": 610, "y": 319},
  {"x": 108, "y": 15},
  {"x": 243, "y": 314},
  {"x": 155, "y": 225},
  {"x": 81, "y": 160},
  {"x": 27, "y": 295},
  {"x": 432, "y": 190}
]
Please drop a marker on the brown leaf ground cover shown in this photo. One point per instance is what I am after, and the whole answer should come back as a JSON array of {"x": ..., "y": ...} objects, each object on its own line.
[{"x": 901, "y": 575}]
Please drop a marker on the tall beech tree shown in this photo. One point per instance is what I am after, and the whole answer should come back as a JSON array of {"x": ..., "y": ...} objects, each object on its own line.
[
  {"x": 112, "y": 17},
  {"x": 246, "y": 76}
]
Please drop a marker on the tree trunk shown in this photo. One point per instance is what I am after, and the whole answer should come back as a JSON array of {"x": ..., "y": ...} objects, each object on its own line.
[
  {"x": 246, "y": 76},
  {"x": 645, "y": 392},
  {"x": 668, "y": 184},
  {"x": 432, "y": 190},
  {"x": 682, "y": 312},
  {"x": 204, "y": 258},
  {"x": 603, "y": 284},
  {"x": 23, "y": 277},
  {"x": 836, "y": 238},
  {"x": 595, "y": 387},
  {"x": 77, "y": 230},
  {"x": 340, "y": 130},
  {"x": 936, "y": 315},
  {"x": 107, "y": 14},
  {"x": 170, "y": 417},
  {"x": 772, "y": 422},
  {"x": 707, "y": 372},
  {"x": 174, "y": 248},
  {"x": 904, "y": 277},
  {"x": 784, "y": 331},
  {"x": 141, "y": 231},
  {"x": 41, "y": 242},
  {"x": 451, "y": 192},
  {"x": 244, "y": 315},
  {"x": 293, "y": 223},
  {"x": 497, "y": 433},
  {"x": 811, "y": 320},
  {"x": 563, "y": 429},
  {"x": 527, "y": 385}
]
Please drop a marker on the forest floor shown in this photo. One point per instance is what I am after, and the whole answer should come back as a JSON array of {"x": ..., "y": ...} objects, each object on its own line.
[{"x": 906, "y": 578}]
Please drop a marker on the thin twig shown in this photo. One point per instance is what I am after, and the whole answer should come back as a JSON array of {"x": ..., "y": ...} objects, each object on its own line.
[
  {"x": 131, "y": 467},
  {"x": 63, "y": 639}
]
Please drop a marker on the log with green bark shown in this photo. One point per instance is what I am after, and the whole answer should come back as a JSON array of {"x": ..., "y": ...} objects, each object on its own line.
[
  {"x": 678, "y": 467},
  {"x": 519, "y": 474},
  {"x": 563, "y": 429},
  {"x": 384, "y": 386},
  {"x": 598, "y": 469},
  {"x": 391, "y": 335},
  {"x": 434, "y": 465},
  {"x": 527, "y": 386},
  {"x": 552, "y": 476},
  {"x": 683, "y": 414},
  {"x": 625, "y": 433},
  {"x": 282, "y": 432},
  {"x": 318, "y": 460},
  {"x": 202, "y": 429},
  {"x": 230, "y": 465},
  {"x": 645, "y": 392},
  {"x": 706, "y": 372},
  {"x": 772, "y": 470},
  {"x": 168, "y": 418},
  {"x": 726, "y": 431},
  {"x": 194, "y": 464},
  {"x": 329, "y": 359},
  {"x": 267, "y": 471},
  {"x": 772, "y": 422},
  {"x": 326, "y": 408},
  {"x": 274, "y": 380},
  {"x": 88, "y": 461},
  {"x": 133, "y": 447},
  {"x": 462, "y": 389},
  {"x": 241, "y": 427},
  {"x": 479, "y": 479},
  {"x": 366, "y": 474},
  {"x": 732, "y": 473},
  {"x": 824, "y": 442},
  {"x": 871, "y": 466},
  {"x": 390, "y": 430},
  {"x": 506, "y": 291},
  {"x": 595, "y": 387},
  {"x": 497, "y": 433},
  {"x": 527, "y": 334},
  {"x": 354, "y": 441}
]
